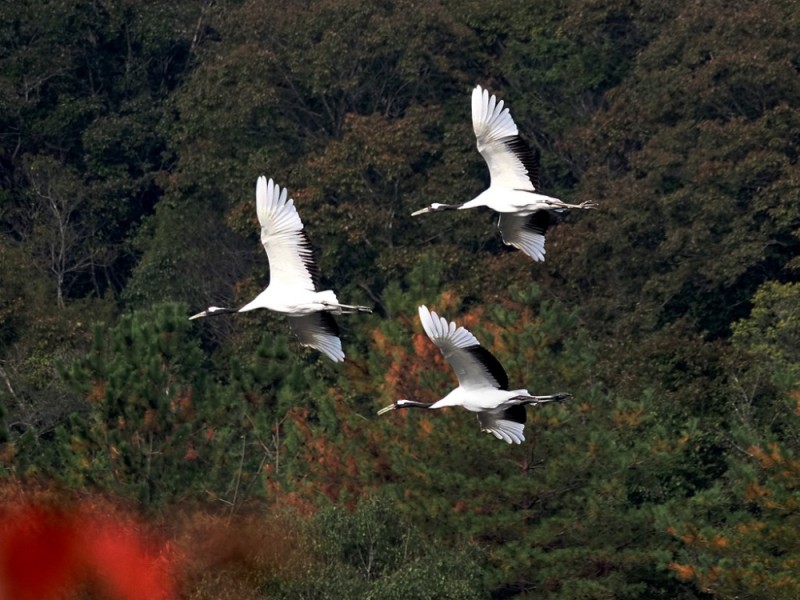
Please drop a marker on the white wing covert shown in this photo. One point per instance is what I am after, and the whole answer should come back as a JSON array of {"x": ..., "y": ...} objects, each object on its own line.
[
  {"x": 525, "y": 232},
  {"x": 473, "y": 364},
  {"x": 511, "y": 161},
  {"x": 503, "y": 429},
  {"x": 291, "y": 260},
  {"x": 319, "y": 330}
]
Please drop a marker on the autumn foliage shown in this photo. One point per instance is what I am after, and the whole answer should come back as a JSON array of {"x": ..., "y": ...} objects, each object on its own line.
[
  {"x": 146, "y": 455},
  {"x": 50, "y": 550}
]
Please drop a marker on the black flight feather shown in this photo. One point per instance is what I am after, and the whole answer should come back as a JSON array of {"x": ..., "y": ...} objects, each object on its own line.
[
  {"x": 538, "y": 222},
  {"x": 527, "y": 156},
  {"x": 307, "y": 256},
  {"x": 491, "y": 364},
  {"x": 516, "y": 413},
  {"x": 327, "y": 323}
]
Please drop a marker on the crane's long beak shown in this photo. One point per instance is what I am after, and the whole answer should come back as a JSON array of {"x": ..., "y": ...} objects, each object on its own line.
[
  {"x": 421, "y": 211},
  {"x": 387, "y": 409},
  {"x": 198, "y": 315}
]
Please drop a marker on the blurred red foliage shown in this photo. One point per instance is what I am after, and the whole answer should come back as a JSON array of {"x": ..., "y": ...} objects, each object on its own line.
[{"x": 50, "y": 551}]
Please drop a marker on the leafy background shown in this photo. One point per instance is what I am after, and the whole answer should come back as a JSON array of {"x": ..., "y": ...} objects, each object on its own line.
[{"x": 131, "y": 136}]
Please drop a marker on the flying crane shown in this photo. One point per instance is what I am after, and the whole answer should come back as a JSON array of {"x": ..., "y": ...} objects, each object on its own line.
[
  {"x": 514, "y": 170},
  {"x": 483, "y": 384},
  {"x": 294, "y": 279}
]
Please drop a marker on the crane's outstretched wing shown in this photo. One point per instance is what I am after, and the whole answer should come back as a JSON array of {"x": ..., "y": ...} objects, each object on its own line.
[
  {"x": 319, "y": 330},
  {"x": 510, "y": 159},
  {"x": 291, "y": 261},
  {"x": 508, "y": 425},
  {"x": 474, "y": 365},
  {"x": 525, "y": 232}
]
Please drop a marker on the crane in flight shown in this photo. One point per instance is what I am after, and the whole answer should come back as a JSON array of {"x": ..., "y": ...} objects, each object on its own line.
[
  {"x": 293, "y": 276},
  {"x": 514, "y": 171},
  {"x": 483, "y": 384}
]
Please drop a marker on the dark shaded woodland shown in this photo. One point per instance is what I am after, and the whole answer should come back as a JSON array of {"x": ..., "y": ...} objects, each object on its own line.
[{"x": 131, "y": 137}]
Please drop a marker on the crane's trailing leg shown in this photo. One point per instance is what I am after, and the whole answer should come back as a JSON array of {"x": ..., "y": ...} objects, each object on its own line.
[
  {"x": 346, "y": 308},
  {"x": 536, "y": 400},
  {"x": 587, "y": 205}
]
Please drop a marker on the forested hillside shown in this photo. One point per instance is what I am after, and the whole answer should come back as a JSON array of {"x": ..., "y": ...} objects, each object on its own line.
[{"x": 220, "y": 459}]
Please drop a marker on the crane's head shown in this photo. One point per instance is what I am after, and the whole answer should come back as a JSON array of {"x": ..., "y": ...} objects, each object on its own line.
[
  {"x": 211, "y": 311},
  {"x": 435, "y": 207}
]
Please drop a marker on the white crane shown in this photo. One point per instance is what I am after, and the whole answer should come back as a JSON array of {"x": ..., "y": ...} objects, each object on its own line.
[
  {"x": 514, "y": 171},
  {"x": 483, "y": 384},
  {"x": 293, "y": 277}
]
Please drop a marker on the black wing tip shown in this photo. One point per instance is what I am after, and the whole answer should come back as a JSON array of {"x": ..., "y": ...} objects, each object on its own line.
[
  {"x": 491, "y": 364},
  {"x": 538, "y": 222},
  {"x": 328, "y": 323},
  {"x": 528, "y": 156},
  {"x": 307, "y": 256},
  {"x": 516, "y": 413}
]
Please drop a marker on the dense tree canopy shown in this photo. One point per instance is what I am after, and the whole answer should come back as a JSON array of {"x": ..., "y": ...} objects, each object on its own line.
[{"x": 131, "y": 137}]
